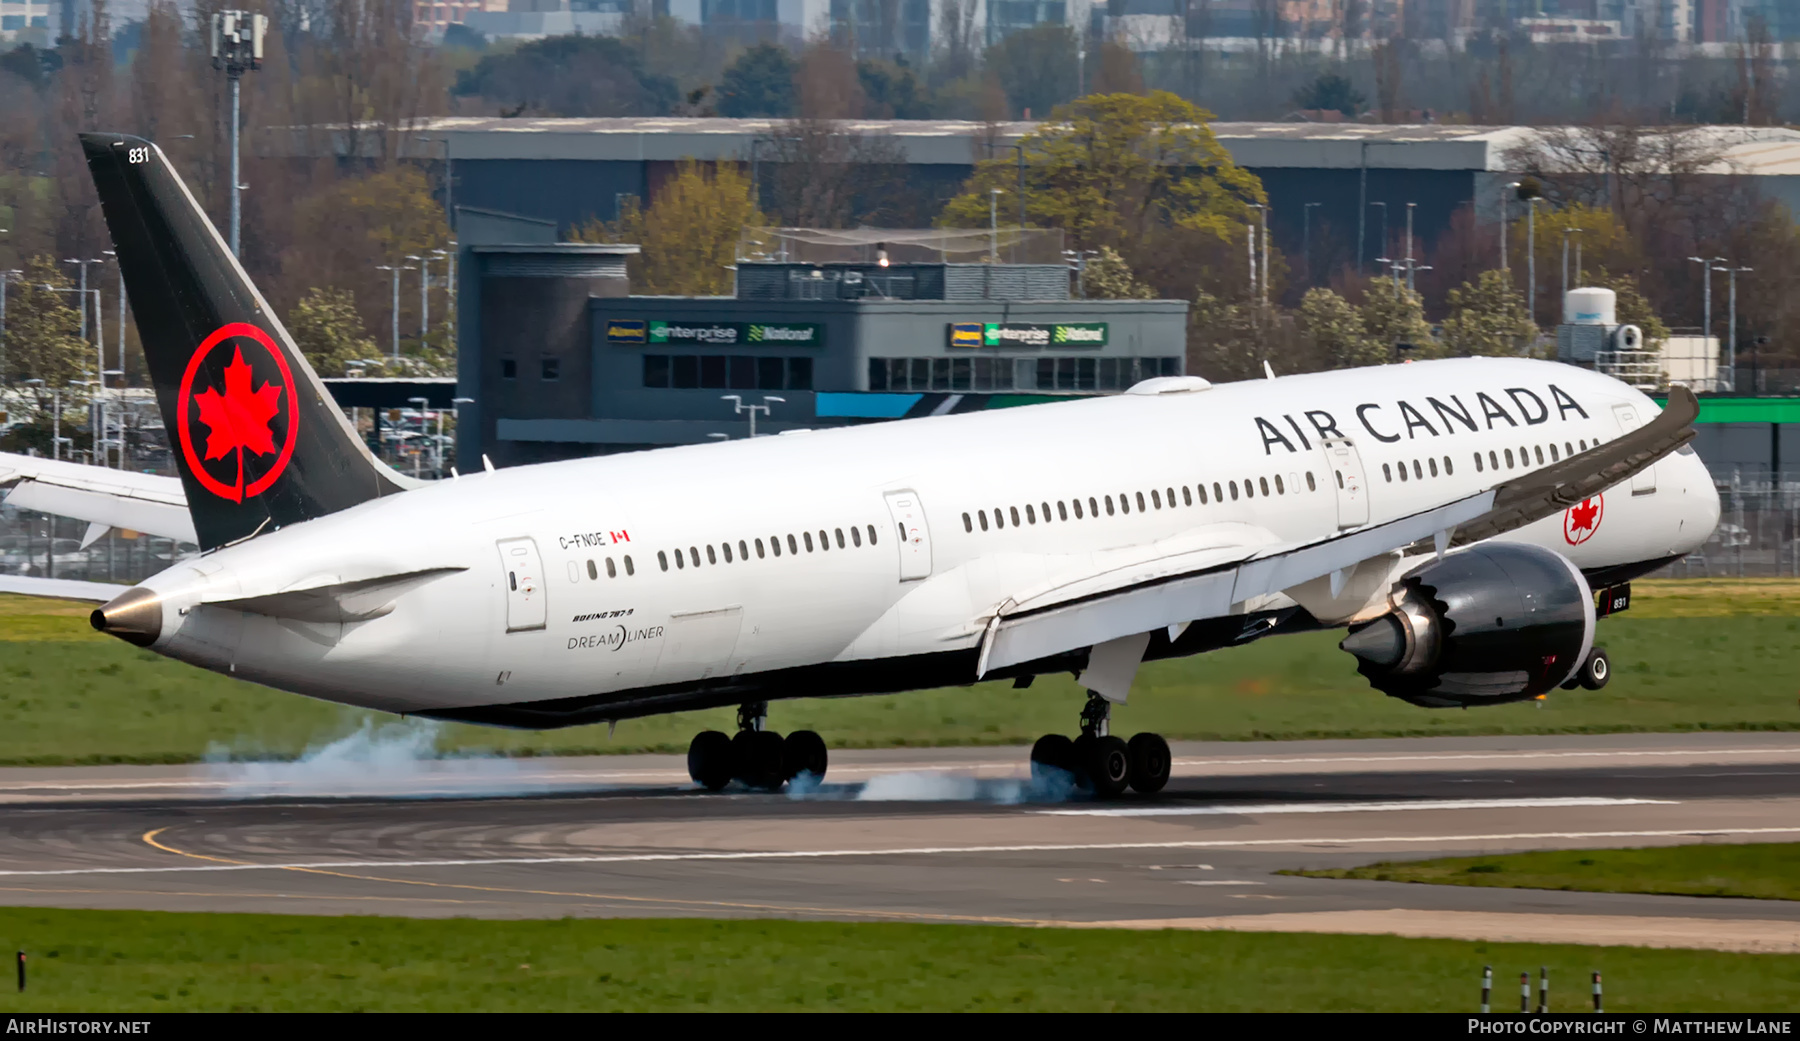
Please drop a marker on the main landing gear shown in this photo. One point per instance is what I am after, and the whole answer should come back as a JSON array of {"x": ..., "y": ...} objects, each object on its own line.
[
  {"x": 1099, "y": 761},
  {"x": 1593, "y": 673},
  {"x": 755, "y": 757}
]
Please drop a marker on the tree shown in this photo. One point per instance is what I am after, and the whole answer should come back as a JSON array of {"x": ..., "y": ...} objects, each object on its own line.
[
  {"x": 759, "y": 83},
  {"x": 1108, "y": 277},
  {"x": 689, "y": 233},
  {"x": 892, "y": 90},
  {"x": 1035, "y": 67},
  {"x": 1488, "y": 319},
  {"x": 329, "y": 332},
  {"x": 43, "y": 340},
  {"x": 1393, "y": 314},
  {"x": 1331, "y": 91},
  {"x": 574, "y": 75},
  {"x": 1118, "y": 170},
  {"x": 1336, "y": 333}
]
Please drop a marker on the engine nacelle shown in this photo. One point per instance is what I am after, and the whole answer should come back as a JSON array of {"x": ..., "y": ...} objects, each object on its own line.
[{"x": 1493, "y": 623}]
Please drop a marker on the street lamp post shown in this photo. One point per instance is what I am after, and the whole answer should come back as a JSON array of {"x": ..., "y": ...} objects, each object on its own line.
[
  {"x": 737, "y": 401},
  {"x": 1706, "y": 268},
  {"x": 395, "y": 269},
  {"x": 424, "y": 294},
  {"x": 1731, "y": 337},
  {"x": 1505, "y": 264},
  {"x": 1565, "y": 272},
  {"x": 422, "y": 403},
  {"x": 1531, "y": 257},
  {"x": 237, "y": 48},
  {"x": 83, "y": 264},
  {"x": 1384, "y": 228},
  {"x": 994, "y": 224},
  {"x": 1306, "y": 238},
  {"x": 6, "y": 278},
  {"x": 1410, "y": 207},
  {"x": 457, "y": 404},
  {"x": 1255, "y": 283}
]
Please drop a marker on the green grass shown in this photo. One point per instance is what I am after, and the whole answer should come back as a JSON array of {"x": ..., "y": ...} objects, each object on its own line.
[
  {"x": 1767, "y": 871},
  {"x": 101, "y": 961},
  {"x": 1721, "y": 655}
]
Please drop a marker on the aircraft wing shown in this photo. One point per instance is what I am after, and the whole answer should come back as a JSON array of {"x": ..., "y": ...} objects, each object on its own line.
[
  {"x": 1194, "y": 583},
  {"x": 103, "y": 497},
  {"x": 60, "y": 588}
]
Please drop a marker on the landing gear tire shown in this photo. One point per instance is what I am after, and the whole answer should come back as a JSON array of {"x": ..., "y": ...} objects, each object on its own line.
[
  {"x": 1596, "y": 671},
  {"x": 709, "y": 760},
  {"x": 1108, "y": 762},
  {"x": 756, "y": 759},
  {"x": 803, "y": 752},
  {"x": 1052, "y": 759},
  {"x": 1150, "y": 763}
]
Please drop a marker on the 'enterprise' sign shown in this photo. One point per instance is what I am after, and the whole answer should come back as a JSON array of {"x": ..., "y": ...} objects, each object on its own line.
[
  {"x": 715, "y": 334},
  {"x": 998, "y": 334}
]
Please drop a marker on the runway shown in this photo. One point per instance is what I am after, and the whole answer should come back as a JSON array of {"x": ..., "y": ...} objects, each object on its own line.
[{"x": 941, "y": 835}]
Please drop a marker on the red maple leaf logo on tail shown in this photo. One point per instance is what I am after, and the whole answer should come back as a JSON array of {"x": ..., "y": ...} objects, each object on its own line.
[{"x": 239, "y": 418}]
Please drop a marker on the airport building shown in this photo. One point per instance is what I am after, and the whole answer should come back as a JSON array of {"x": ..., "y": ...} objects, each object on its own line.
[{"x": 827, "y": 329}]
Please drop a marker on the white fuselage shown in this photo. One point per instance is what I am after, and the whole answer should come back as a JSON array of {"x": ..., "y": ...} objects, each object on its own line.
[{"x": 546, "y": 607}]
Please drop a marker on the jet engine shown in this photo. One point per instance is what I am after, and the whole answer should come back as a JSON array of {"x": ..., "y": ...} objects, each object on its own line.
[{"x": 1493, "y": 623}]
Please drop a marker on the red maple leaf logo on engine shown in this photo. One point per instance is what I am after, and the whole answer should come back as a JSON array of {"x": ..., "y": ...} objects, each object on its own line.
[{"x": 239, "y": 418}]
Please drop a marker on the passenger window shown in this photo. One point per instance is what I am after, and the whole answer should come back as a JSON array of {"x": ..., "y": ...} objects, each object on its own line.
[
  {"x": 743, "y": 550},
  {"x": 1062, "y": 510},
  {"x": 856, "y": 536},
  {"x": 663, "y": 559},
  {"x": 1156, "y": 499},
  {"x": 1493, "y": 460},
  {"x": 725, "y": 548},
  {"x": 1140, "y": 502},
  {"x": 999, "y": 517},
  {"x": 1418, "y": 471},
  {"x": 1030, "y": 514},
  {"x": 612, "y": 570},
  {"x": 1279, "y": 488},
  {"x": 1094, "y": 508},
  {"x": 1553, "y": 456},
  {"x": 871, "y": 534},
  {"x": 1340, "y": 477},
  {"x": 679, "y": 562},
  {"x": 968, "y": 525},
  {"x": 1249, "y": 488},
  {"x": 1477, "y": 462},
  {"x": 1187, "y": 496},
  {"x": 1568, "y": 449},
  {"x": 839, "y": 532},
  {"x": 1125, "y": 503},
  {"x": 1077, "y": 509},
  {"x": 695, "y": 554},
  {"x": 1433, "y": 464},
  {"x": 1387, "y": 474},
  {"x": 1524, "y": 456},
  {"x": 593, "y": 572},
  {"x": 1584, "y": 444},
  {"x": 1046, "y": 507},
  {"x": 629, "y": 568},
  {"x": 759, "y": 549},
  {"x": 982, "y": 516},
  {"x": 1509, "y": 459},
  {"x": 775, "y": 544},
  {"x": 1539, "y": 452},
  {"x": 807, "y": 536},
  {"x": 1448, "y": 469},
  {"x": 794, "y": 545},
  {"x": 1402, "y": 468},
  {"x": 1263, "y": 483},
  {"x": 1219, "y": 493},
  {"x": 1014, "y": 511},
  {"x": 711, "y": 557},
  {"x": 1170, "y": 492},
  {"x": 1311, "y": 485},
  {"x": 1109, "y": 506},
  {"x": 1233, "y": 486},
  {"x": 824, "y": 542}
]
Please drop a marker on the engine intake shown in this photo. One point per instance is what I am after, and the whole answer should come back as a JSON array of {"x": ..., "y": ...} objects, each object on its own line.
[{"x": 1493, "y": 623}]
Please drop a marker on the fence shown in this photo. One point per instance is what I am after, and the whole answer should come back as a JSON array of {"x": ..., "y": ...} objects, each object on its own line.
[{"x": 1759, "y": 530}]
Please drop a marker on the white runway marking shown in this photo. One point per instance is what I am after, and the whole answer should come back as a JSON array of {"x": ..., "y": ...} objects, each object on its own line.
[
  {"x": 918, "y": 851},
  {"x": 1210, "y": 882},
  {"x": 1250, "y": 809}
]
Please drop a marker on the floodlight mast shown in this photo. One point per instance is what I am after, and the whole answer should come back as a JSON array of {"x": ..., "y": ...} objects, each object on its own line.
[{"x": 237, "y": 48}]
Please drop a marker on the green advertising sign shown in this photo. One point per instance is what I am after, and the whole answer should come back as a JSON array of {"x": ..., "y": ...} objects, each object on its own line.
[
  {"x": 1022, "y": 334},
  {"x": 731, "y": 334}
]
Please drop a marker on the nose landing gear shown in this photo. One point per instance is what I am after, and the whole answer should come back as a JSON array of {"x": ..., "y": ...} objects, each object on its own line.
[
  {"x": 755, "y": 757},
  {"x": 1100, "y": 762}
]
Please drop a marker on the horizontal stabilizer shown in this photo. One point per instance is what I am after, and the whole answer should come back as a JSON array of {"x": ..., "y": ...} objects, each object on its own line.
[
  {"x": 60, "y": 588},
  {"x": 357, "y": 601},
  {"x": 113, "y": 498}
]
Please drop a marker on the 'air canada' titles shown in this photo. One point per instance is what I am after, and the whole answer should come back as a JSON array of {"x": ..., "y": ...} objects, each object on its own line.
[{"x": 1438, "y": 416}]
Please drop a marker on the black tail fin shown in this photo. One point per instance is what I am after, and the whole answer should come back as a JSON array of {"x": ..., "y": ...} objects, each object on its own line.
[{"x": 258, "y": 439}]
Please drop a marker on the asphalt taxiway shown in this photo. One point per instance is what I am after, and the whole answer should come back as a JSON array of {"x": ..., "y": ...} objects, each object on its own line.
[{"x": 955, "y": 835}]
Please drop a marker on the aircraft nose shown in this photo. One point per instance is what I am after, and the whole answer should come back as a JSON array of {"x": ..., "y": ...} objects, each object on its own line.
[{"x": 1700, "y": 500}]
